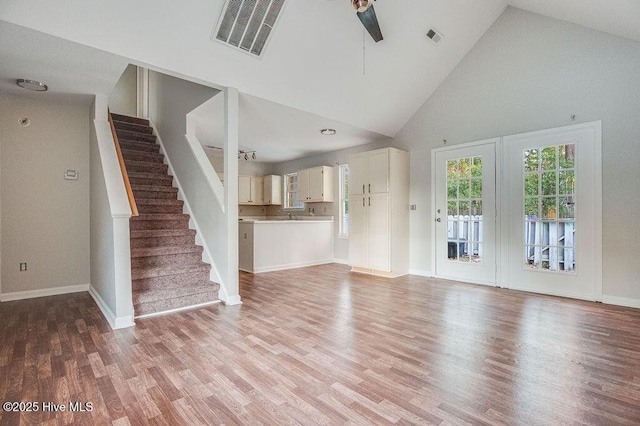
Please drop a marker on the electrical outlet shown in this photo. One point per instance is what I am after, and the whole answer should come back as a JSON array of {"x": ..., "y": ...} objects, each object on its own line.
[
  {"x": 23, "y": 266},
  {"x": 324, "y": 210}
]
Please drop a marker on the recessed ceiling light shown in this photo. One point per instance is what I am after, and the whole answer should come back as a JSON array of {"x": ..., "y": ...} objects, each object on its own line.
[
  {"x": 36, "y": 86},
  {"x": 328, "y": 132}
]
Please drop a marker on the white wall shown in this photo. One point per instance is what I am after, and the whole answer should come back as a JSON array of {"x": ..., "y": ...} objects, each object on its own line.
[
  {"x": 333, "y": 159},
  {"x": 45, "y": 218},
  {"x": 529, "y": 72},
  {"x": 123, "y": 98},
  {"x": 171, "y": 99},
  {"x": 110, "y": 213}
]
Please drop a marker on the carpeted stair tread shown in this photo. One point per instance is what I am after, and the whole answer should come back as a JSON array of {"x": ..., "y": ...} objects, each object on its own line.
[
  {"x": 146, "y": 296},
  {"x": 159, "y": 201},
  {"x": 176, "y": 206},
  {"x": 155, "y": 233},
  {"x": 187, "y": 301},
  {"x": 135, "y": 136},
  {"x": 137, "y": 274},
  {"x": 150, "y": 157},
  {"x": 132, "y": 127},
  {"x": 154, "y": 188},
  {"x": 164, "y": 281},
  {"x": 139, "y": 146},
  {"x": 145, "y": 167},
  {"x": 128, "y": 119},
  {"x": 166, "y": 260},
  {"x": 160, "y": 216},
  {"x": 147, "y": 175},
  {"x": 160, "y": 180},
  {"x": 165, "y": 250}
]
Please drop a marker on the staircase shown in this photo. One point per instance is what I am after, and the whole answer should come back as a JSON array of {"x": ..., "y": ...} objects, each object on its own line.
[{"x": 167, "y": 271}]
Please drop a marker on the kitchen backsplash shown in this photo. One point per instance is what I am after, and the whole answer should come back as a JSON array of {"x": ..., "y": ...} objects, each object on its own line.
[{"x": 311, "y": 209}]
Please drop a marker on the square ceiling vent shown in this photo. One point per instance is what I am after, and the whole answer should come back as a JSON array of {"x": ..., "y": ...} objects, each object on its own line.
[{"x": 247, "y": 24}]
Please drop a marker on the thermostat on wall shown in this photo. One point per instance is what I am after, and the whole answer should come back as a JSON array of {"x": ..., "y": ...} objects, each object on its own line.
[{"x": 71, "y": 174}]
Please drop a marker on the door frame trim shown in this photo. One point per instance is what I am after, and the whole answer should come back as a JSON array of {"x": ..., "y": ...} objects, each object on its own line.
[{"x": 497, "y": 147}]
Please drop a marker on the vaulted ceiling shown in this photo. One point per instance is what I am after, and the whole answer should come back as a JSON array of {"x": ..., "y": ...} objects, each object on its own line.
[{"x": 319, "y": 60}]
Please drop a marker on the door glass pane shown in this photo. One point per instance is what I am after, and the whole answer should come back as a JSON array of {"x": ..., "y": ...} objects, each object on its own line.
[
  {"x": 464, "y": 210},
  {"x": 549, "y": 208}
]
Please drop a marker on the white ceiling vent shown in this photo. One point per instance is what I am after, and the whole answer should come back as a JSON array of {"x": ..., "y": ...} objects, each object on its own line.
[
  {"x": 247, "y": 24},
  {"x": 435, "y": 36}
]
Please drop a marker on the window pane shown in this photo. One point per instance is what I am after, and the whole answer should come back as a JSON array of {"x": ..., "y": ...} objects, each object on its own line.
[
  {"x": 531, "y": 160},
  {"x": 566, "y": 156},
  {"x": 463, "y": 189},
  {"x": 549, "y": 183},
  {"x": 531, "y": 184},
  {"x": 549, "y": 158}
]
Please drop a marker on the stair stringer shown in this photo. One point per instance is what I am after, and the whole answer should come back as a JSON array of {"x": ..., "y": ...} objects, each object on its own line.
[{"x": 214, "y": 275}]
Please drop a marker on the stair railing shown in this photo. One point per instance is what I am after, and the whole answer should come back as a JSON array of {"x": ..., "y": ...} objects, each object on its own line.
[{"x": 123, "y": 169}]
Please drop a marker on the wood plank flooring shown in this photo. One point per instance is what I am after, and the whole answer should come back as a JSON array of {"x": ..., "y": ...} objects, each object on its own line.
[{"x": 325, "y": 346}]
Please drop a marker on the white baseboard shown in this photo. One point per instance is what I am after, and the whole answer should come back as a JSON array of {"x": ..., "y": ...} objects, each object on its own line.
[
  {"x": 171, "y": 311},
  {"x": 621, "y": 301},
  {"x": 420, "y": 273},
  {"x": 291, "y": 266},
  {"x": 233, "y": 300},
  {"x": 341, "y": 261},
  {"x": 53, "y": 291},
  {"x": 115, "y": 322}
]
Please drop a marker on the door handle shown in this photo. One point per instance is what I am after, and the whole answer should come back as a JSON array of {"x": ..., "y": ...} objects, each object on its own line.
[
  {"x": 362, "y": 201},
  {"x": 363, "y": 188},
  {"x": 438, "y": 220},
  {"x": 369, "y": 188}
]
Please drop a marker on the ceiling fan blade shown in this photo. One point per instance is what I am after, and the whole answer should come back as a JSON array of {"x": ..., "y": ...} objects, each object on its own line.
[{"x": 370, "y": 22}]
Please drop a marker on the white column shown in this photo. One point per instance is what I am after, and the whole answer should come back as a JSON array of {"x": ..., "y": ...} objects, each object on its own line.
[{"x": 231, "y": 192}]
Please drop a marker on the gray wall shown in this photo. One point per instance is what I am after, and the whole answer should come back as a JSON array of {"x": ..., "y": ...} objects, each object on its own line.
[
  {"x": 529, "y": 72},
  {"x": 124, "y": 96},
  {"x": 45, "y": 218},
  {"x": 333, "y": 159}
]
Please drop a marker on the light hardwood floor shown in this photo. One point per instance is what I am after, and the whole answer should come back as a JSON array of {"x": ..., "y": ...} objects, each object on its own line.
[{"x": 322, "y": 345}]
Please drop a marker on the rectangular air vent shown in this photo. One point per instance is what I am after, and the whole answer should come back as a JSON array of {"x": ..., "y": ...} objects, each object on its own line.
[
  {"x": 247, "y": 24},
  {"x": 435, "y": 36}
]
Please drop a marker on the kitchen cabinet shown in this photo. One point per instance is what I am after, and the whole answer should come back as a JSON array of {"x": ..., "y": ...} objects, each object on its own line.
[
  {"x": 315, "y": 184},
  {"x": 379, "y": 212},
  {"x": 250, "y": 190},
  {"x": 272, "y": 190}
]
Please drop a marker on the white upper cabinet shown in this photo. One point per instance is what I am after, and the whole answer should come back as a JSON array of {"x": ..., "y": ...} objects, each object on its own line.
[
  {"x": 250, "y": 190},
  {"x": 315, "y": 184},
  {"x": 273, "y": 190},
  {"x": 244, "y": 189}
]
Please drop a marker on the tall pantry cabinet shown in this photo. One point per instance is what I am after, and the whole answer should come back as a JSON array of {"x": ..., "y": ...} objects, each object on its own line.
[{"x": 379, "y": 212}]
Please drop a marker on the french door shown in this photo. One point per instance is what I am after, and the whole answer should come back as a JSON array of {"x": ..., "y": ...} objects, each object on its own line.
[
  {"x": 548, "y": 235},
  {"x": 465, "y": 206},
  {"x": 553, "y": 211}
]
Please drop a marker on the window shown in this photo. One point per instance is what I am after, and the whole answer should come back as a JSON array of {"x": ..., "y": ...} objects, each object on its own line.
[
  {"x": 549, "y": 208},
  {"x": 344, "y": 200},
  {"x": 291, "y": 192}
]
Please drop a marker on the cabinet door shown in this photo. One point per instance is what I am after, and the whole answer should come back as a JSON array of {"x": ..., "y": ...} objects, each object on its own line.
[
  {"x": 257, "y": 190},
  {"x": 272, "y": 190},
  {"x": 378, "y": 167},
  {"x": 303, "y": 185},
  {"x": 358, "y": 254},
  {"x": 358, "y": 174},
  {"x": 378, "y": 232},
  {"x": 244, "y": 189},
  {"x": 316, "y": 184}
]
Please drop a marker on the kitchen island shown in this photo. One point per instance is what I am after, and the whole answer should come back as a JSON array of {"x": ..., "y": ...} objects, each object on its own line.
[{"x": 274, "y": 245}]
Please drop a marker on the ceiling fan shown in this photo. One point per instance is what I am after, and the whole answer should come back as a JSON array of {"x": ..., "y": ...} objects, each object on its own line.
[{"x": 367, "y": 16}]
